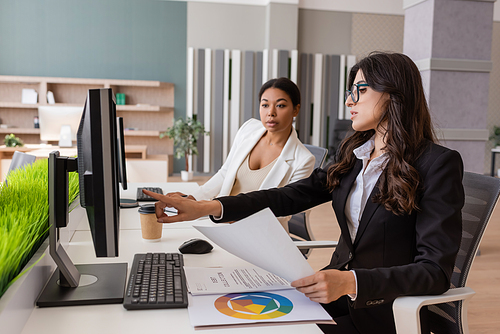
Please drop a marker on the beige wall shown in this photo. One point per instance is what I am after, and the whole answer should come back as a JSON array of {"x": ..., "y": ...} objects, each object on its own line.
[
  {"x": 376, "y": 32},
  {"x": 223, "y": 26},
  {"x": 324, "y": 32}
]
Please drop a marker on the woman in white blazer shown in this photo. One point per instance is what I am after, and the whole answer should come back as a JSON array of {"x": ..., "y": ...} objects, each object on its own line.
[{"x": 272, "y": 140}]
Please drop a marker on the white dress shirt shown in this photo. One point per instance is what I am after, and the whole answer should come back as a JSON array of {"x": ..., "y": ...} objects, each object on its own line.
[
  {"x": 361, "y": 189},
  {"x": 364, "y": 184}
]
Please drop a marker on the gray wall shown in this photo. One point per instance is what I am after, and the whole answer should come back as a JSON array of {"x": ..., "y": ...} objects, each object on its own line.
[
  {"x": 324, "y": 32},
  {"x": 222, "y": 26},
  {"x": 117, "y": 39},
  {"x": 494, "y": 97},
  {"x": 282, "y": 26}
]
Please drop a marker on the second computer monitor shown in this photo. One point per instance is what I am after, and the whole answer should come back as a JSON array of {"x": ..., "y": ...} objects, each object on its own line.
[{"x": 59, "y": 123}]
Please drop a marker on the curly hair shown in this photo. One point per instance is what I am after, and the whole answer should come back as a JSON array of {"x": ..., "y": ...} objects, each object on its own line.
[{"x": 408, "y": 130}]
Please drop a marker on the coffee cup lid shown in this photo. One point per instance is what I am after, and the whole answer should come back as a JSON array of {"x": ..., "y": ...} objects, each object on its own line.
[{"x": 147, "y": 208}]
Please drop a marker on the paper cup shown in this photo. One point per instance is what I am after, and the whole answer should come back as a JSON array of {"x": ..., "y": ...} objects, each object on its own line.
[{"x": 151, "y": 229}]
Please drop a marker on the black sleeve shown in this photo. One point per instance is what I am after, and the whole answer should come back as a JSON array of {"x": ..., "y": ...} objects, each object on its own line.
[{"x": 293, "y": 198}]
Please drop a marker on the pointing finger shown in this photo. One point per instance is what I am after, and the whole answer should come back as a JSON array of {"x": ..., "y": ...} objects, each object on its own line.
[{"x": 156, "y": 196}]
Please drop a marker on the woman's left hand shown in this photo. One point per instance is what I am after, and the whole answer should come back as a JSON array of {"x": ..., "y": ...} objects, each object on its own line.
[{"x": 327, "y": 285}]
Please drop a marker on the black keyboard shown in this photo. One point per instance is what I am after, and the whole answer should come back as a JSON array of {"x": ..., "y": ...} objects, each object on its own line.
[
  {"x": 143, "y": 197},
  {"x": 156, "y": 280}
]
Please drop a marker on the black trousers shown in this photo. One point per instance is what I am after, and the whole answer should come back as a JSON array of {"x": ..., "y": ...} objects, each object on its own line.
[{"x": 340, "y": 313}]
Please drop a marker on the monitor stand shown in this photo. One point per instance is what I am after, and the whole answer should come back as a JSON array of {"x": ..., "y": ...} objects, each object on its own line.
[
  {"x": 99, "y": 284},
  {"x": 87, "y": 284}
]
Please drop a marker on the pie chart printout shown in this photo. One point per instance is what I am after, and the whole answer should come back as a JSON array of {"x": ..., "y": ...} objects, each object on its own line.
[{"x": 253, "y": 306}]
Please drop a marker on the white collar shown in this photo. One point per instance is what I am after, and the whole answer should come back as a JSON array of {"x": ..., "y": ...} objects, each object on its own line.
[{"x": 364, "y": 151}]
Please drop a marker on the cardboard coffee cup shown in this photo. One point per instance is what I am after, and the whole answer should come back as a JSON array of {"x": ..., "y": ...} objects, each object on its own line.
[{"x": 151, "y": 229}]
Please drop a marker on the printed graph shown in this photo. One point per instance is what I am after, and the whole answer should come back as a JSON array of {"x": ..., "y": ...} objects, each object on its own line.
[{"x": 254, "y": 306}]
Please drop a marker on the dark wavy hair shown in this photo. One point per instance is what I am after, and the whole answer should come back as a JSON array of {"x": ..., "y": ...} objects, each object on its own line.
[
  {"x": 286, "y": 85},
  {"x": 408, "y": 130}
]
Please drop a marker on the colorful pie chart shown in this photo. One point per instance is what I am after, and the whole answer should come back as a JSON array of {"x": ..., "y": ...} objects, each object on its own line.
[{"x": 254, "y": 306}]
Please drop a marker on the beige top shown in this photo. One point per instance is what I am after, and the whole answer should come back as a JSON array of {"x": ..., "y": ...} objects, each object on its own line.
[{"x": 249, "y": 180}]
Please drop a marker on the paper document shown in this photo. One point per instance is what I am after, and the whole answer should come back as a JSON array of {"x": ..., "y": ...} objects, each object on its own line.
[
  {"x": 261, "y": 240},
  {"x": 254, "y": 308},
  {"x": 202, "y": 281}
]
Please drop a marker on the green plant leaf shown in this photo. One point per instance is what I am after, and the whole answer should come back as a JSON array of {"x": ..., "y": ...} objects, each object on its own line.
[{"x": 24, "y": 217}]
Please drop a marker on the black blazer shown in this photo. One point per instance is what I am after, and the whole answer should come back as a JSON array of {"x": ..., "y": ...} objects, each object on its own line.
[{"x": 391, "y": 255}]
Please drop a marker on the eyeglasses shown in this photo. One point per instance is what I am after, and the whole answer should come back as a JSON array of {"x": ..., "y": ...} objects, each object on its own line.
[{"x": 354, "y": 92}]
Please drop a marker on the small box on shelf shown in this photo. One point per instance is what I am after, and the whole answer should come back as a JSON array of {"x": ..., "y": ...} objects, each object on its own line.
[{"x": 29, "y": 96}]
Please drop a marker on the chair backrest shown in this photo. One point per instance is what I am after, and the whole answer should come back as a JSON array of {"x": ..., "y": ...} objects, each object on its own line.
[
  {"x": 319, "y": 153},
  {"x": 339, "y": 130},
  {"x": 481, "y": 195},
  {"x": 20, "y": 159},
  {"x": 298, "y": 224}
]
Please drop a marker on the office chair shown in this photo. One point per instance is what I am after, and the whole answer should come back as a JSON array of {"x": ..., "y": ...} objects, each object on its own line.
[
  {"x": 319, "y": 154},
  {"x": 341, "y": 128},
  {"x": 20, "y": 159},
  {"x": 448, "y": 312},
  {"x": 298, "y": 225}
]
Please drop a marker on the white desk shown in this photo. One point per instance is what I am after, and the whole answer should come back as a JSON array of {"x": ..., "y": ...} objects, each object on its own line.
[{"x": 116, "y": 319}]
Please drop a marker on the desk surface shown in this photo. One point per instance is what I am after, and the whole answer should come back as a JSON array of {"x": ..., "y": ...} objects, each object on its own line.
[{"x": 114, "y": 318}]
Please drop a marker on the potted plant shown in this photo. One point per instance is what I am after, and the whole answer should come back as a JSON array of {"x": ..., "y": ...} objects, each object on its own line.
[
  {"x": 185, "y": 134},
  {"x": 496, "y": 136},
  {"x": 13, "y": 141}
]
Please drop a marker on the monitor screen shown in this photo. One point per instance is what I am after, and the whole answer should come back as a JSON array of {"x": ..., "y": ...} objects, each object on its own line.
[{"x": 53, "y": 119}]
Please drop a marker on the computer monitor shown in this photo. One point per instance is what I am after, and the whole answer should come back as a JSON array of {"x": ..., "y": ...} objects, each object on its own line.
[
  {"x": 122, "y": 172},
  {"x": 98, "y": 165},
  {"x": 59, "y": 123}
]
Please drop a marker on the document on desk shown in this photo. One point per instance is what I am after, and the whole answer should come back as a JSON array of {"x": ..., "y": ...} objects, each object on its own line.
[
  {"x": 261, "y": 240},
  {"x": 255, "y": 308},
  {"x": 204, "y": 281}
]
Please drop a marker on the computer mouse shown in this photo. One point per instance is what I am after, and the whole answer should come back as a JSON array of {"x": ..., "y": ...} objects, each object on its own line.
[{"x": 195, "y": 246}]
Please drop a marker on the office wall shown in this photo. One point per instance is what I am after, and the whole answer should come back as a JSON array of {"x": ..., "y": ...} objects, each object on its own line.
[
  {"x": 376, "y": 32},
  {"x": 493, "y": 117},
  {"x": 282, "y": 26},
  {"x": 324, "y": 32},
  {"x": 226, "y": 26},
  {"x": 332, "y": 32},
  {"x": 119, "y": 39}
]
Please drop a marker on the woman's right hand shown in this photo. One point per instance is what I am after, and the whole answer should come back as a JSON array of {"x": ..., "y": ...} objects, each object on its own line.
[{"x": 187, "y": 209}]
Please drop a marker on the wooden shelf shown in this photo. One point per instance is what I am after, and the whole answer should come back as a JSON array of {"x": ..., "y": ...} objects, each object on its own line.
[
  {"x": 18, "y": 105},
  {"x": 141, "y": 133},
  {"x": 137, "y": 108},
  {"x": 149, "y": 106},
  {"x": 144, "y": 108},
  {"x": 20, "y": 131},
  {"x": 85, "y": 81},
  {"x": 127, "y": 133}
]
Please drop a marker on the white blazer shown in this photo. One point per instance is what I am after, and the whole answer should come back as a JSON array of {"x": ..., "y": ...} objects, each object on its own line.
[{"x": 294, "y": 163}]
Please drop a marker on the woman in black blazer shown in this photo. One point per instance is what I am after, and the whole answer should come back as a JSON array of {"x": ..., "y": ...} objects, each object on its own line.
[{"x": 397, "y": 196}]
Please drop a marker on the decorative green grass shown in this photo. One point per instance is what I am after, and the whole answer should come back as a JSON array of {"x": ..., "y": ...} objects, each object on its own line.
[{"x": 24, "y": 213}]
